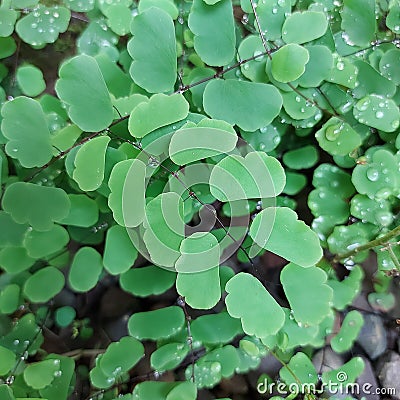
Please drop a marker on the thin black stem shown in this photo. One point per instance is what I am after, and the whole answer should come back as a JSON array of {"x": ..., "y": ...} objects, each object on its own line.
[{"x": 182, "y": 303}]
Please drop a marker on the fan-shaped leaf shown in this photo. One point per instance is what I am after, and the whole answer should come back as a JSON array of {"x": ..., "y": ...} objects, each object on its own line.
[
  {"x": 121, "y": 356},
  {"x": 160, "y": 110},
  {"x": 337, "y": 137},
  {"x": 127, "y": 197},
  {"x": 271, "y": 15},
  {"x": 8, "y": 19},
  {"x": 37, "y": 205},
  {"x": 165, "y": 229},
  {"x": 301, "y": 158},
  {"x": 82, "y": 87},
  {"x": 358, "y": 21},
  {"x": 299, "y": 370},
  {"x": 201, "y": 289},
  {"x": 147, "y": 281},
  {"x": 255, "y": 308},
  {"x": 278, "y": 230},
  {"x": 29, "y": 137},
  {"x": 61, "y": 384},
  {"x": 7, "y": 358},
  {"x": 44, "y": 284},
  {"x": 91, "y": 153},
  {"x": 215, "y": 328},
  {"x": 255, "y": 176},
  {"x": 119, "y": 253},
  {"x": 289, "y": 62},
  {"x": 42, "y": 244},
  {"x": 192, "y": 144},
  {"x": 310, "y": 303},
  {"x": 247, "y": 104},
  {"x": 199, "y": 252},
  {"x": 85, "y": 269},
  {"x": 293, "y": 28},
  {"x": 158, "y": 324},
  {"x": 153, "y": 34},
  {"x": 379, "y": 177},
  {"x": 169, "y": 356},
  {"x": 318, "y": 68},
  {"x": 84, "y": 211},
  {"x": 30, "y": 80},
  {"x": 9, "y": 300},
  {"x": 43, "y": 25},
  {"x": 214, "y": 31},
  {"x": 351, "y": 327},
  {"x": 378, "y": 112},
  {"x": 41, "y": 374}
]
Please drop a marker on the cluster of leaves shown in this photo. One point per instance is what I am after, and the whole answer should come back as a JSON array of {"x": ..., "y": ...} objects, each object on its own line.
[{"x": 168, "y": 108}]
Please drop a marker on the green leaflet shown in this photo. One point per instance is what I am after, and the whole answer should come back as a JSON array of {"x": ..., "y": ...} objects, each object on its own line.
[
  {"x": 37, "y": 205},
  {"x": 358, "y": 21},
  {"x": 159, "y": 111},
  {"x": 192, "y": 144},
  {"x": 119, "y": 252},
  {"x": 121, "y": 356},
  {"x": 91, "y": 153},
  {"x": 293, "y": 28},
  {"x": 44, "y": 284},
  {"x": 337, "y": 137},
  {"x": 262, "y": 305},
  {"x": 378, "y": 112},
  {"x": 351, "y": 327},
  {"x": 29, "y": 137},
  {"x": 153, "y": 34},
  {"x": 147, "y": 281},
  {"x": 301, "y": 366},
  {"x": 254, "y": 176},
  {"x": 310, "y": 303},
  {"x": 201, "y": 289},
  {"x": 127, "y": 197},
  {"x": 157, "y": 324},
  {"x": 82, "y": 87},
  {"x": 43, "y": 25},
  {"x": 214, "y": 31},
  {"x": 288, "y": 63},
  {"x": 277, "y": 229},
  {"x": 164, "y": 228},
  {"x": 85, "y": 269},
  {"x": 198, "y": 253},
  {"x": 41, "y": 374},
  {"x": 30, "y": 80},
  {"x": 247, "y": 104}
]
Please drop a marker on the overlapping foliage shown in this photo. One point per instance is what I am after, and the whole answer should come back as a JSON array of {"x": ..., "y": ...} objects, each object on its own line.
[{"x": 173, "y": 116}]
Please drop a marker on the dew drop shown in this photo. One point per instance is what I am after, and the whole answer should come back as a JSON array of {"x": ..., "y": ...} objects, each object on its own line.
[
  {"x": 340, "y": 66},
  {"x": 257, "y": 54},
  {"x": 372, "y": 174},
  {"x": 379, "y": 114}
]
